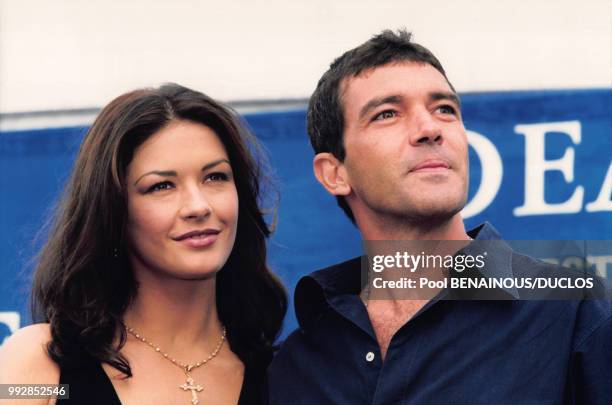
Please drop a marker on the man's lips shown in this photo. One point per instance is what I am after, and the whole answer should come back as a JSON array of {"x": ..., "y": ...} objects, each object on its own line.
[{"x": 431, "y": 165}]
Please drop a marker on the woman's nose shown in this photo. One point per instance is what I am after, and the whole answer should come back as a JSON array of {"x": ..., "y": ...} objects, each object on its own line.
[{"x": 195, "y": 205}]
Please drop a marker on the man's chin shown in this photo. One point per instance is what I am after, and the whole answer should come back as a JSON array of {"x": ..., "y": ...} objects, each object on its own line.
[{"x": 432, "y": 212}]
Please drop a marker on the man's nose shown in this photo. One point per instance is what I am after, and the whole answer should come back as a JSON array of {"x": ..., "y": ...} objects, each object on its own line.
[
  {"x": 194, "y": 204},
  {"x": 426, "y": 130}
]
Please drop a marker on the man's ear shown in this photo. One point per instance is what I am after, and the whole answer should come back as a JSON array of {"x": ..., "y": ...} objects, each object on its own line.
[{"x": 331, "y": 173}]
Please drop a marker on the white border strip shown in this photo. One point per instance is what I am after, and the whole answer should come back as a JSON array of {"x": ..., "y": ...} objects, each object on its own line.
[{"x": 84, "y": 117}]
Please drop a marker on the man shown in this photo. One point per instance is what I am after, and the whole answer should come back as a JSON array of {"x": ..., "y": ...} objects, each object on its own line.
[{"x": 386, "y": 127}]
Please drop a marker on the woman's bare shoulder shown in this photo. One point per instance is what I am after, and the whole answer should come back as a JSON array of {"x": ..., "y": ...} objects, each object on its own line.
[{"x": 24, "y": 357}]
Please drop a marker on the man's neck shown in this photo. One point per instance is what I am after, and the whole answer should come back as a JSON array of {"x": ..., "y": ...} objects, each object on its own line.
[
  {"x": 388, "y": 315},
  {"x": 393, "y": 229}
]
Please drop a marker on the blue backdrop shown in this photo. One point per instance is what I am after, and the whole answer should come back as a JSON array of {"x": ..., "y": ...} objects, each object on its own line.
[{"x": 541, "y": 168}]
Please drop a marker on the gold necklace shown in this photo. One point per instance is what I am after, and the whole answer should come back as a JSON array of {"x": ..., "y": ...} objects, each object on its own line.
[{"x": 189, "y": 385}]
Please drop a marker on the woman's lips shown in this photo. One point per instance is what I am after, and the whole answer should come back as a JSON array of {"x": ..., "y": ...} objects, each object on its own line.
[
  {"x": 199, "y": 238},
  {"x": 199, "y": 241}
]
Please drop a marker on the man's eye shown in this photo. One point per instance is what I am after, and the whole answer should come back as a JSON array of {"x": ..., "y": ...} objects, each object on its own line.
[
  {"x": 217, "y": 176},
  {"x": 384, "y": 115},
  {"x": 164, "y": 185},
  {"x": 447, "y": 109}
]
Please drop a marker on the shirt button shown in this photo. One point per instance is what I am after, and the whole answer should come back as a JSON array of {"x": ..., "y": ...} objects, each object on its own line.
[{"x": 370, "y": 356}]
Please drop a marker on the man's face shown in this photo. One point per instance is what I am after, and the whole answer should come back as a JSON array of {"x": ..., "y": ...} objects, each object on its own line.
[{"x": 406, "y": 147}]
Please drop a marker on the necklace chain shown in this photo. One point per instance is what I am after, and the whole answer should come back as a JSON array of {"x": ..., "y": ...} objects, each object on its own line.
[{"x": 185, "y": 367}]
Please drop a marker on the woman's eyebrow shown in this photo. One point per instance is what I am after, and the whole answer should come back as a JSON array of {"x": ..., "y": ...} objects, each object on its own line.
[
  {"x": 163, "y": 173},
  {"x": 215, "y": 163},
  {"x": 170, "y": 173}
]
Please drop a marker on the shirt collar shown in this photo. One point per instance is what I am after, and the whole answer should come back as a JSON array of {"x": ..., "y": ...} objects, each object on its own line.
[
  {"x": 498, "y": 263},
  {"x": 314, "y": 291}
]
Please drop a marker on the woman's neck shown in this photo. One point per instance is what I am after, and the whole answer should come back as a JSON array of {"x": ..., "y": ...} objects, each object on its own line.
[{"x": 175, "y": 314}]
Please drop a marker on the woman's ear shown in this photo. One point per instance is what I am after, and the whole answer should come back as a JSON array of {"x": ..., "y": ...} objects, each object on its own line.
[{"x": 331, "y": 173}]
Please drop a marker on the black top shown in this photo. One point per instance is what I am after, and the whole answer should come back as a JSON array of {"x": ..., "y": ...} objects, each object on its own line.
[
  {"x": 460, "y": 352},
  {"x": 89, "y": 385}
]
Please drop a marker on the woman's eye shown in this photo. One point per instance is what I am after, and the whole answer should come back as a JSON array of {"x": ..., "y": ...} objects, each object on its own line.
[
  {"x": 384, "y": 115},
  {"x": 164, "y": 185},
  {"x": 217, "y": 176}
]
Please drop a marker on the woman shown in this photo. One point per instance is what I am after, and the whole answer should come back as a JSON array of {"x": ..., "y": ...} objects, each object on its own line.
[{"x": 157, "y": 257}]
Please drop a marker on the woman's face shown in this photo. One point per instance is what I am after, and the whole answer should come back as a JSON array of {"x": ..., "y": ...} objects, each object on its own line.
[{"x": 182, "y": 203}]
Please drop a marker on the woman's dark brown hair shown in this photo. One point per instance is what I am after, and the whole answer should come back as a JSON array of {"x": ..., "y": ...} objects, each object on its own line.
[{"x": 83, "y": 282}]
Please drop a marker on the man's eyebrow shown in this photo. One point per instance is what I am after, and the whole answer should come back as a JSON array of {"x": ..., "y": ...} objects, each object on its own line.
[
  {"x": 170, "y": 173},
  {"x": 375, "y": 102},
  {"x": 445, "y": 95}
]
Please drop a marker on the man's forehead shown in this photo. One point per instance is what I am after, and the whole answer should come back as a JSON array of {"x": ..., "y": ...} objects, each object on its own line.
[{"x": 376, "y": 79}]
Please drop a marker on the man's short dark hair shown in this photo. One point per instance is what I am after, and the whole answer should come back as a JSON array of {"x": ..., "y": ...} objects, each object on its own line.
[{"x": 325, "y": 109}]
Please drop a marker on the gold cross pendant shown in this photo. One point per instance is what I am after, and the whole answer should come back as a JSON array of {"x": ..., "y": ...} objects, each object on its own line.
[{"x": 189, "y": 386}]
